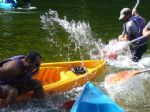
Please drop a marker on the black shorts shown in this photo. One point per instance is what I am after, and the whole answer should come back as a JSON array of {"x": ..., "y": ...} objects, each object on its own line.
[
  {"x": 1, "y": 89},
  {"x": 22, "y": 88},
  {"x": 137, "y": 52}
]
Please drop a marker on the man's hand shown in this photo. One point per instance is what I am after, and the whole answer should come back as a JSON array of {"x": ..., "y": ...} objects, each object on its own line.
[
  {"x": 122, "y": 38},
  {"x": 147, "y": 34},
  {"x": 134, "y": 12}
]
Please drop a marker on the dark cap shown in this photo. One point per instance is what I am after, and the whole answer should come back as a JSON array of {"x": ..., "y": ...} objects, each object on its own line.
[{"x": 125, "y": 12}]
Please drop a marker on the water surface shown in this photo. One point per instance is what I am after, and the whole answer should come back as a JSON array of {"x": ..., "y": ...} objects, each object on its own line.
[{"x": 22, "y": 31}]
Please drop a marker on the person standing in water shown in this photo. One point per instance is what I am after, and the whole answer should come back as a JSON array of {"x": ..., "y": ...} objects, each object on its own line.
[
  {"x": 27, "y": 3},
  {"x": 16, "y": 77},
  {"x": 133, "y": 25}
]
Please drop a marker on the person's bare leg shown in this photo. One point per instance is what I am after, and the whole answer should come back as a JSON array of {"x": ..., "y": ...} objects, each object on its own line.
[{"x": 10, "y": 93}]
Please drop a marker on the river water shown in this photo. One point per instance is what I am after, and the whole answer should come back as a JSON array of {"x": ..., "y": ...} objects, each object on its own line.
[{"x": 63, "y": 30}]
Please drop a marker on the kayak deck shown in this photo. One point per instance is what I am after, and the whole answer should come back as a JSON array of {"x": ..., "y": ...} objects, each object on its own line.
[
  {"x": 92, "y": 99},
  {"x": 58, "y": 77}
]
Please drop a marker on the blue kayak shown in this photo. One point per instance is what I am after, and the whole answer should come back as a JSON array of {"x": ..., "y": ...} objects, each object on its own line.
[
  {"x": 93, "y": 99},
  {"x": 8, "y": 4}
]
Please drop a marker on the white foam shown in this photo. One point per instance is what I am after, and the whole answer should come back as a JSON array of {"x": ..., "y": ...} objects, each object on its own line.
[{"x": 130, "y": 92}]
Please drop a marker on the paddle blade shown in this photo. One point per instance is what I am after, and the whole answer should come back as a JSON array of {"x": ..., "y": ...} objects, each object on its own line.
[{"x": 120, "y": 77}]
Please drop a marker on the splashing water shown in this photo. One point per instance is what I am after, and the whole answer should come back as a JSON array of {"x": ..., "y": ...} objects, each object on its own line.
[
  {"x": 52, "y": 103},
  {"x": 131, "y": 92},
  {"x": 116, "y": 46},
  {"x": 79, "y": 33},
  {"x": 123, "y": 59}
]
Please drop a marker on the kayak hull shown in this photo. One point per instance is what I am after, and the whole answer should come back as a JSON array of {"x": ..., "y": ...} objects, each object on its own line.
[{"x": 92, "y": 99}]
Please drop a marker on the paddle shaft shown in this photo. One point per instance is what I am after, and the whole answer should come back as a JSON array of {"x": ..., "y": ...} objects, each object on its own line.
[
  {"x": 142, "y": 37},
  {"x": 142, "y": 71},
  {"x": 147, "y": 70},
  {"x": 136, "y": 5}
]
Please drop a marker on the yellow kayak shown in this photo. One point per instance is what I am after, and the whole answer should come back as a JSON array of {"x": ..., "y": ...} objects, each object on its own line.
[{"x": 61, "y": 76}]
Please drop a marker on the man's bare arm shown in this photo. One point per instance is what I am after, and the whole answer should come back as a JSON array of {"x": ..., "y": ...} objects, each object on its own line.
[{"x": 8, "y": 68}]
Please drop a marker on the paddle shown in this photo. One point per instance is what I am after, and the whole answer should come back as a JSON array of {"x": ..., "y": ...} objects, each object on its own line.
[
  {"x": 122, "y": 76},
  {"x": 136, "y": 5},
  {"x": 142, "y": 37}
]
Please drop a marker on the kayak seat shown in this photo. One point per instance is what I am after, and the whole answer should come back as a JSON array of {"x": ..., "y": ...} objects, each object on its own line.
[
  {"x": 63, "y": 75},
  {"x": 70, "y": 74},
  {"x": 48, "y": 75},
  {"x": 67, "y": 74}
]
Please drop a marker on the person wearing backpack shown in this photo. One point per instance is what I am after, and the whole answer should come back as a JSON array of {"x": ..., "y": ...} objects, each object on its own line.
[{"x": 133, "y": 26}]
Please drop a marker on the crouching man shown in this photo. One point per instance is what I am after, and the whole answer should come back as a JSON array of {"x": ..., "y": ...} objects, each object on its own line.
[{"x": 16, "y": 77}]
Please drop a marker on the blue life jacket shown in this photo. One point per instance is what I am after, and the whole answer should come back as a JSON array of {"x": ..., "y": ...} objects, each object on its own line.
[
  {"x": 139, "y": 21},
  {"x": 24, "y": 77}
]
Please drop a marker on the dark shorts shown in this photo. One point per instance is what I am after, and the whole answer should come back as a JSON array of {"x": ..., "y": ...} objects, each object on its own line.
[
  {"x": 1, "y": 89},
  {"x": 23, "y": 87},
  {"x": 137, "y": 52}
]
